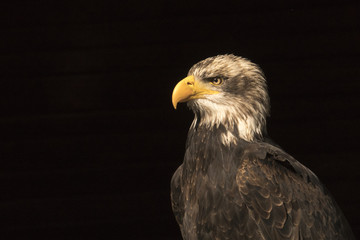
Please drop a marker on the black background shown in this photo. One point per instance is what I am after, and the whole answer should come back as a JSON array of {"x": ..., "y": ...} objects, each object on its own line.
[{"x": 89, "y": 139}]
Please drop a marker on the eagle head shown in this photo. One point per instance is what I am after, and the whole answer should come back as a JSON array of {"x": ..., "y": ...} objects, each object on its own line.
[{"x": 228, "y": 91}]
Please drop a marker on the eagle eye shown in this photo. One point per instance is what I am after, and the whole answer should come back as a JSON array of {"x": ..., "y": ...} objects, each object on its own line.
[{"x": 216, "y": 81}]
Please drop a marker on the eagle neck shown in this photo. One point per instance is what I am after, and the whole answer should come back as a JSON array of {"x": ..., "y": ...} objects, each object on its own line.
[
  {"x": 206, "y": 153},
  {"x": 231, "y": 126}
]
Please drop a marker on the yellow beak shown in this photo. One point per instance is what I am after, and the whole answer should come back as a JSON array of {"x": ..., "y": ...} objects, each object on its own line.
[{"x": 188, "y": 89}]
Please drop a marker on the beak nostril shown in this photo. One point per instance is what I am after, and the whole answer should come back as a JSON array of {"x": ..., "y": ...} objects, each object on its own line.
[{"x": 189, "y": 83}]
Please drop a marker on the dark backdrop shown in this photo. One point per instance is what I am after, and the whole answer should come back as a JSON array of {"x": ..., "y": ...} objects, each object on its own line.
[{"x": 88, "y": 136}]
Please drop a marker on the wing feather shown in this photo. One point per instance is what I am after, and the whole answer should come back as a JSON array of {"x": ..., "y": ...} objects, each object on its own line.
[
  {"x": 285, "y": 199},
  {"x": 176, "y": 200}
]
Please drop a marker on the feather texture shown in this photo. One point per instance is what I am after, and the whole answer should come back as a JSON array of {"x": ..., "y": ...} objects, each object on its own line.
[{"x": 256, "y": 198}]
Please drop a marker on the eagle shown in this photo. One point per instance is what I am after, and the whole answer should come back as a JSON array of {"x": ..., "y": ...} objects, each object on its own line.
[{"x": 234, "y": 182}]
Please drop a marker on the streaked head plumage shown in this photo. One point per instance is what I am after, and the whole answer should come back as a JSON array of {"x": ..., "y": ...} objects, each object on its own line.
[{"x": 241, "y": 102}]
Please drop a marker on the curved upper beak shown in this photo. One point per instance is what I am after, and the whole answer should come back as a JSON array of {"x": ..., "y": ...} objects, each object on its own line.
[
  {"x": 188, "y": 89},
  {"x": 183, "y": 90}
]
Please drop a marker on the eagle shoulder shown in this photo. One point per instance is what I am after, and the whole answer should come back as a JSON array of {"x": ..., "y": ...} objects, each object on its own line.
[{"x": 286, "y": 199}]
